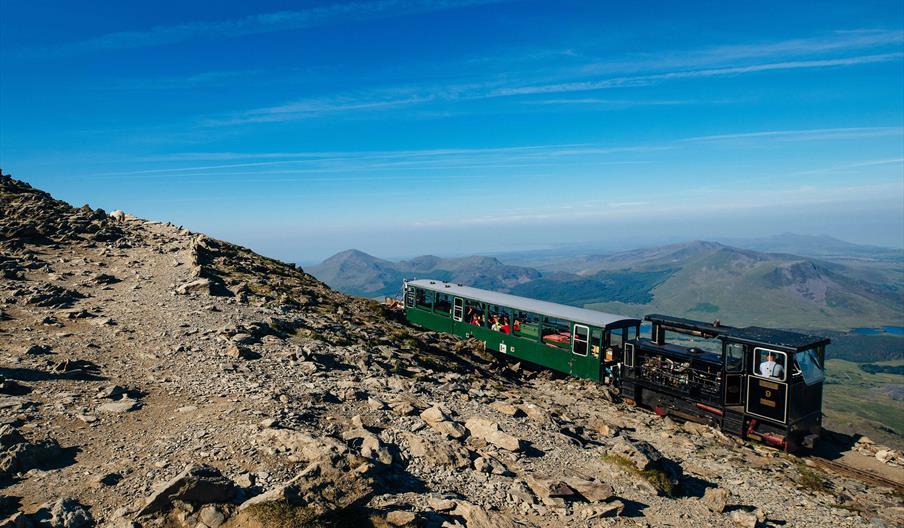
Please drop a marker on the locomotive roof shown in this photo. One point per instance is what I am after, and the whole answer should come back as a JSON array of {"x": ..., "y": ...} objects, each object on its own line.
[
  {"x": 769, "y": 336},
  {"x": 754, "y": 335},
  {"x": 559, "y": 311}
]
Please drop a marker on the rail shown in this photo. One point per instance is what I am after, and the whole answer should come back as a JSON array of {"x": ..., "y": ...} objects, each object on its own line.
[{"x": 859, "y": 474}]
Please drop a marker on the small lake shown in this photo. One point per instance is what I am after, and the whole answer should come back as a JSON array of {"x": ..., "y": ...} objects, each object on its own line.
[{"x": 894, "y": 330}]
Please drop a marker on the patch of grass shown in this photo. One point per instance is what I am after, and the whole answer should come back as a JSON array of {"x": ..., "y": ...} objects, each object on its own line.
[
  {"x": 811, "y": 480},
  {"x": 656, "y": 477},
  {"x": 705, "y": 307}
]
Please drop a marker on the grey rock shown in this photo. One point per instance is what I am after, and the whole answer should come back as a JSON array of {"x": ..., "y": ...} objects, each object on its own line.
[
  {"x": 716, "y": 499},
  {"x": 69, "y": 513},
  {"x": 119, "y": 406},
  {"x": 198, "y": 484},
  {"x": 489, "y": 431}
]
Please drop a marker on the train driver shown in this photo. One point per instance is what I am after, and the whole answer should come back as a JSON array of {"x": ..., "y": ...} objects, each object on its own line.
[{"x": 771, "y": 368}]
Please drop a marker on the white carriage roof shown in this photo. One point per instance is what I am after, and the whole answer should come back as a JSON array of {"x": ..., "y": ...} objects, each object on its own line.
[{"x": 559, "y": 311}]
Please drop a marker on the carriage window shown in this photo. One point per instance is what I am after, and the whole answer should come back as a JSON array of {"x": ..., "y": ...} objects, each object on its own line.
[
  {"x": 734, "y": 357},
  {"x": 769, "y": 364},
  {"x": 526, "y": 324},
  {"x": 581, "y": 337},
  {"x": 424, "y": 299},
  {"x": 807, "y": 361},
  {"x": 409, "y": 297},
  {"x": 474, "y": 313},
  {"x": 556, "y": 332},
  {"x": 443, "y": 305},
  {"x": 498, "y": 319}
]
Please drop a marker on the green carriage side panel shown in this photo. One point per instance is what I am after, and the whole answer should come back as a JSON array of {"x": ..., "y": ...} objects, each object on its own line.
[{"x": 521, "y": 348}]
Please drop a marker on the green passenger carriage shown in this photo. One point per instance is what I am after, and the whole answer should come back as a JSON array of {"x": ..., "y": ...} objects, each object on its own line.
[{"x": 576, "y": 341}]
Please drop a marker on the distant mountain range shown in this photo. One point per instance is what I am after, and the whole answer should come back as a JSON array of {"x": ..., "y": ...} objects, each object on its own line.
[
  {"x": 358, "y": 273},
  {"x": 850, "y": 286},
  {"x": 822, "y": 246}
]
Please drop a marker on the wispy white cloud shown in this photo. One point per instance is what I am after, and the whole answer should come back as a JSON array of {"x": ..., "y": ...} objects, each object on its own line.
[
  {"x": 836, "y": 42},
  {"x": 804, "y": 134},
  {"x": 371, "y": 161},
  {"x": 314, "y": 108},
  {"x": 647, "y": 80},
  {"x": 301, "y": 163},
  {"x": 858, "y": 165},
  {"x": 615, "y": 103},
  {"x": 396, "y": 99},
  {"x": 341, "y": 13}
]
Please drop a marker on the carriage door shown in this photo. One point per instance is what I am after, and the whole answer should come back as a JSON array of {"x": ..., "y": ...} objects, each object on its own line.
[
  {"x": 582, "y": 362},
  {"x": 457, "y": 309}
]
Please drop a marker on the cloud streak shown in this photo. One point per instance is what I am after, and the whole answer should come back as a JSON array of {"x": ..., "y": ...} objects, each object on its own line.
[
  {"x": 257, "y": 164},
  {"x": 835, "y": 42},
  {"x": 805, "y": 134},
  {"x": 647, "y": 80},
  {"x": 383, "y": 101},
  {"x": 249, "y": 25}
]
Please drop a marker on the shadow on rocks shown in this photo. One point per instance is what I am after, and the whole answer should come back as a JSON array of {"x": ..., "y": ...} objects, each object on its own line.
[
  {"x": 692, "y": 486},
  {"x": 78, "y": 370},
  {"x": 632, "y": 508}
]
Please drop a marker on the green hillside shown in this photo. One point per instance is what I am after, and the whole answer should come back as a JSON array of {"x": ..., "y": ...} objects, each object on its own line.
[
  {"x": 747, "y": 287},
  {"x": 864, "y": 402}
]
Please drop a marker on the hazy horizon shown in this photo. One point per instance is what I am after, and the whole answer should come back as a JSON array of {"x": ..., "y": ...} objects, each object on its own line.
[{"x": 407, "y": 127}]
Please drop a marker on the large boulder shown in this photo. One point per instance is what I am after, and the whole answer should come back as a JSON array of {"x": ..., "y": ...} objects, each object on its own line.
[
  {"x": 69, "y": 513},
  {"x": 301, "y": 446},
  {"x": 20, "y": 455},
  {"x": 197, "y": 484},
  {"x": 324, "y": 486},
  {"x": 442, "y": 453},
  {"x": 642, "y": 454},
  {"x": 489, "y": 430},
  {"x": 438, "y": 418},
  {"x": 716, "y": 499},
  {"x": 477, "y": 517}
]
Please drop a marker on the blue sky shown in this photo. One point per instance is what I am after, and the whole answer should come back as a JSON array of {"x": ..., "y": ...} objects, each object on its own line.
[{"x": 403, "y": 127}]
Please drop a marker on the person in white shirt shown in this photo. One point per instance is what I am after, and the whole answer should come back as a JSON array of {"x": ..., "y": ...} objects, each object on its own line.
[{"x": 770, "y": 368}]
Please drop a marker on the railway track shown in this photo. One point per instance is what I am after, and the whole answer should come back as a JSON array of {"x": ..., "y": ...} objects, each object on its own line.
[{"x": 859, "y": 474}]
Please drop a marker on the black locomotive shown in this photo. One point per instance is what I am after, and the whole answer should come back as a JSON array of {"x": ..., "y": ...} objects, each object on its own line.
[{"x": 756, "y": 383}]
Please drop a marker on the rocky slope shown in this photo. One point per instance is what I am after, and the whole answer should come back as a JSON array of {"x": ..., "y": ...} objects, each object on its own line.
[{"x": 155, "y": 377}]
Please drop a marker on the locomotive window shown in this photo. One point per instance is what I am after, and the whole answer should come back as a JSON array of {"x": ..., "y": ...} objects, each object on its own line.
[
  {"x": 616, "y": 337},
  {"x": 581, "y": 337},
  {"x": 807, "y": 361},
  {"x": 713, "y": 346},
  {"x": 769, "y": 364},
  {"x": 734, "y": 357}
]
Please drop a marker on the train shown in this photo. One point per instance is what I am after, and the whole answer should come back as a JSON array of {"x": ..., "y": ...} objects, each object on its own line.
[{"x": 755, "y": 383}]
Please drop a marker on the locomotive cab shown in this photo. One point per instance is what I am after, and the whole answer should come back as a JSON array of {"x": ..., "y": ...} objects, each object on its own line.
[
  {"x": 753, "y": 382},
  {"x": 774, "y": 382}
]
